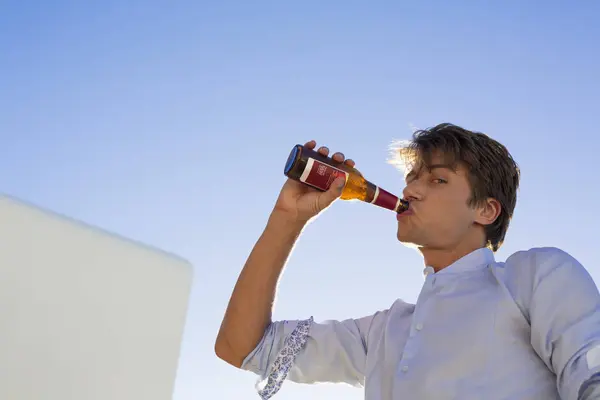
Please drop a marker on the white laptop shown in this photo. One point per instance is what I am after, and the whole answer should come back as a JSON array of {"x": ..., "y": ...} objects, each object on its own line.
[{"x": 85, "y": 314}]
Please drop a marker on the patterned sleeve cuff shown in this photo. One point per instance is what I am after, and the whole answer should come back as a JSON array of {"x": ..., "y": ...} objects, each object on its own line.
[{"x": 284, "y": 361}]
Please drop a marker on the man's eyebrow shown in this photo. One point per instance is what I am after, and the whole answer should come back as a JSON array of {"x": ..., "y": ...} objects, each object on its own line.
[
  {"x": 441, "y": 166},
  {"x": 430, "y": 168}
]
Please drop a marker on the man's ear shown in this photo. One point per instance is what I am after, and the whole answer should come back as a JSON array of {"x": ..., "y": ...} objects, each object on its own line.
[{"x": 488, "y": 212}]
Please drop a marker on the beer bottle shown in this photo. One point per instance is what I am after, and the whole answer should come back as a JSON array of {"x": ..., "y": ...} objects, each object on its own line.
[{"x": 314, "y": 169}]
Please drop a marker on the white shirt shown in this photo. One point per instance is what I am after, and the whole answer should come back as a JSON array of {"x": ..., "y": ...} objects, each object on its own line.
[{"x": 528, "y": 328}]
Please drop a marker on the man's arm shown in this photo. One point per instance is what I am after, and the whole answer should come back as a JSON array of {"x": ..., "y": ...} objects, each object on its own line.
[
  {"x": 302, "y": 351},
  {"x": 564, "y": 310},
  {"x": 249, "y": 311}
]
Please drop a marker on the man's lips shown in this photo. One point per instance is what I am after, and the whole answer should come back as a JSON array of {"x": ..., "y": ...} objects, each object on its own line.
[{"x": 406, "y": 213}]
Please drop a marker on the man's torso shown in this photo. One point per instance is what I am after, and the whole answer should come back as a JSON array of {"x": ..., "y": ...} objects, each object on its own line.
[{"x": 465, "y": 338}]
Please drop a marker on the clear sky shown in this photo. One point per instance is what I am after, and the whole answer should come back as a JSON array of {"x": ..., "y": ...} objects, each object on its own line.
[{"x": 170, "y": 123}]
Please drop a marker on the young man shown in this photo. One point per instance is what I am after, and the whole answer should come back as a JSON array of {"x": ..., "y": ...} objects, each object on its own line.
[{"x": 527, "y": 328}]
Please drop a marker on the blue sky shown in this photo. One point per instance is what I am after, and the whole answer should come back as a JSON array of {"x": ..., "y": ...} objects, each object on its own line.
[{"x": 170, "y": 123}]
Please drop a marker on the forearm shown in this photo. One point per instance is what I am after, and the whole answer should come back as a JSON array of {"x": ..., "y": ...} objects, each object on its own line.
[{"x": 249, "y": 310}]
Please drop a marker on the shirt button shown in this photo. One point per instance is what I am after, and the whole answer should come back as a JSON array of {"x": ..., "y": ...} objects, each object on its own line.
[
  {"x": 405, "y": 368},
  {"x": 419, "y": 327}
]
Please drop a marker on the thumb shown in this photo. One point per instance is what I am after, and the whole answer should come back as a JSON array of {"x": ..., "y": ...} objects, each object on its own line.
[{"x": 334, "y": 191}]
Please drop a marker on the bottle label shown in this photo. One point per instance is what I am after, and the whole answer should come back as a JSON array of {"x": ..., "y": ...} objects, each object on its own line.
[
  {"x": 385, "y": 199},
  {"x": 320, "y": 175}
]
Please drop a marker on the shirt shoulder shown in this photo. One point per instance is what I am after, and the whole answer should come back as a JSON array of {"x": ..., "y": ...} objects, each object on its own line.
[
  {"x": 525, "y": 271},
  {"x": 537, "y": 263},
  {"x": 373, "y": 324},
  {"x": 398, "y": 313},
  {"x": 400, "y": 308}
]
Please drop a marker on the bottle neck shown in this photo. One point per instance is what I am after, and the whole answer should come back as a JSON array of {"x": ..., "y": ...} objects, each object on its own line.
[{"x": 382, "y": 198}]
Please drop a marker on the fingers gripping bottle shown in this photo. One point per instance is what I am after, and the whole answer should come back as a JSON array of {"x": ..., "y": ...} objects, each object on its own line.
[{"x": 314, "y": 169}]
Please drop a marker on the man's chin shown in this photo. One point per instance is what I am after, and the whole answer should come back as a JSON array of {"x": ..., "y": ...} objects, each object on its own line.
[{"x": 406, "y": 239}]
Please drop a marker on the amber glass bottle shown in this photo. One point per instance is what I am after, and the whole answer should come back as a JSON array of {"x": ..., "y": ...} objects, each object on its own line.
[{"x": 314, "y": 169}]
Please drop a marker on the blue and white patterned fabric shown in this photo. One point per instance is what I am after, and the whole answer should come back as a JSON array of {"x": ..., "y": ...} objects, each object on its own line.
[{"x": 285, "y": 359}]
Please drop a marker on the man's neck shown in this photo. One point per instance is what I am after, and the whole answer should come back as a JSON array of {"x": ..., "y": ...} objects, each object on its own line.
[{"x": 439, "y": 259}]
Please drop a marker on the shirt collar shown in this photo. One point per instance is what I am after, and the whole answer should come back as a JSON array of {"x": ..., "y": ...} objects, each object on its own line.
[{"x": 473, "y": 261}]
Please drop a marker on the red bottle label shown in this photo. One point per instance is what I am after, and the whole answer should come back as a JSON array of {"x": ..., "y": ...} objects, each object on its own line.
[
  {"x": 385, "y": 199},
  {"x": 320, "y": 175}
]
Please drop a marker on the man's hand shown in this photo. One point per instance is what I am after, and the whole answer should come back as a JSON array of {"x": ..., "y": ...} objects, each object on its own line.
[{"x": 300, "y": 202}]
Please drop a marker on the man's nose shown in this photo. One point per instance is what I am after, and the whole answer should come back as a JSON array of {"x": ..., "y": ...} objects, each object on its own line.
[{"x": 412, "y": 191}]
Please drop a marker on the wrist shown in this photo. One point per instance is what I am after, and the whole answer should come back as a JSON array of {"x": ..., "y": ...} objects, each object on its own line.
[{"x": 286, "y": 221}]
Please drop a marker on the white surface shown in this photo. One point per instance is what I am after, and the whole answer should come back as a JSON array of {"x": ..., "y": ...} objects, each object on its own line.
[{"x": 85, "y": 315}]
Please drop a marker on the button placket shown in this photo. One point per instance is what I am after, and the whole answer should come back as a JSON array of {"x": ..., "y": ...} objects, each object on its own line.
[{"x": 413, "y": 342}]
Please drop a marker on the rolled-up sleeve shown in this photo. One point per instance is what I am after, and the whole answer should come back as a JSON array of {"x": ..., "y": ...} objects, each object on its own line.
[
  {"x": 305, "y": 351},
  {"x": 564, "y": 308}
]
